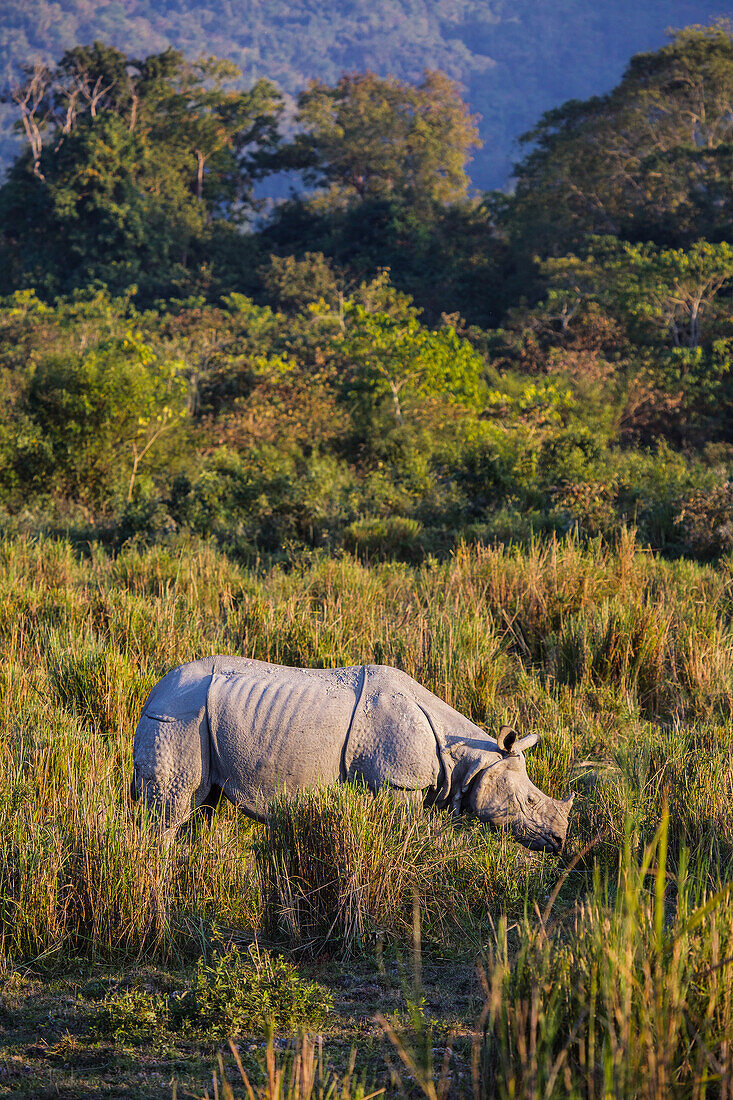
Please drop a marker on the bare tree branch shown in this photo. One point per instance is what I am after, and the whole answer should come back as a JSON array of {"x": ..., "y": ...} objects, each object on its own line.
[{"x": 31, "y": 100}]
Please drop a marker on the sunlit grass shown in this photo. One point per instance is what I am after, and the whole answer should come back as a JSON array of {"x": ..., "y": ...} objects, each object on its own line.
[{"x": 623, "y": 663}]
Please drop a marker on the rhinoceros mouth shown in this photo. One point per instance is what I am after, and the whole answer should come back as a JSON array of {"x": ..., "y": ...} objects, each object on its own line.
[
  {"x": 547, "y": 844},
  {"x": 541, "y": 841}
]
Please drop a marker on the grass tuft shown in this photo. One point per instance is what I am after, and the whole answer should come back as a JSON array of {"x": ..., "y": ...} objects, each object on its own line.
[{"x": 340, "y": 867}]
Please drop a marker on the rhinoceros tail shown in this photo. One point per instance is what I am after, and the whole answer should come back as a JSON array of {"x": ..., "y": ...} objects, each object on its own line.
[
  {"x": 171, "y": 753},
  {"x": 134, "y": 796}
]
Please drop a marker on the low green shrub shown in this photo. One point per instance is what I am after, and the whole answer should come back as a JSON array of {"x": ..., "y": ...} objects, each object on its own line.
[
  {"x": 236, "y": 993},
  {"x": 232, "y": 994},
  {"x": 380, "y": 539},
  {"x": 133, "y": 1015}
]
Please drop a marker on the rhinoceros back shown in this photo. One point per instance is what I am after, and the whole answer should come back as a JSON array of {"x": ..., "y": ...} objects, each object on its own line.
[{"x": 276, "y": 729}]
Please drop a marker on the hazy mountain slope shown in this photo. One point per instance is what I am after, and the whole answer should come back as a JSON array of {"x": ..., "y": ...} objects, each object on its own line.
[{"x": 515, "y": 58}]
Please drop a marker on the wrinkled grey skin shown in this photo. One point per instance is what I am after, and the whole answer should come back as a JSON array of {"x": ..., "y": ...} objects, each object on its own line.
[{"x": 252, "y": 730}]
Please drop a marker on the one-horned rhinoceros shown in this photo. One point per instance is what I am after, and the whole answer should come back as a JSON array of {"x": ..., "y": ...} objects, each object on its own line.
[{"x": 252, "y": 730}]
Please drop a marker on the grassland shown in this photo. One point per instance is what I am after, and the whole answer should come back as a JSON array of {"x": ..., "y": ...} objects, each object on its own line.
[{"x": 450, "y": 960}]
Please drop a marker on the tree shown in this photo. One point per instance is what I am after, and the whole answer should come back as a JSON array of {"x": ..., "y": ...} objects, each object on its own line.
[
  {"x": 675, "y": 290},
  {"x": 649, "y": 161},
  {"x": 389, "y": 354},
  {"x": 96, "y": 416},
  {"x": 293, "y": 283},
  {"x": 227, "y": 134},
  {"x": 672, "y": 309},
  {"x": 131, "y": 169},
  {"x": 447, "y": 258},
  {"x": 664, "y": 296},
  {"x": 368, "y": 137}
]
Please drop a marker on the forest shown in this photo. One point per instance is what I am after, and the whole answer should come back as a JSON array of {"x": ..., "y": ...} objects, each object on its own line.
[
  {"x": 381, "y": 363},
  {"x": 486, "y": 439},
  {"x": 514, "y": 60}
]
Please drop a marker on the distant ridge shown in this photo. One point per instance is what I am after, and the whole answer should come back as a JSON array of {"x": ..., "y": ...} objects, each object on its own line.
[{"x": 514, "y": 58}]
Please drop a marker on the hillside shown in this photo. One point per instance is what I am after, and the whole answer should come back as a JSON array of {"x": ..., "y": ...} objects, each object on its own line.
[{"x": 515, "y": 60}]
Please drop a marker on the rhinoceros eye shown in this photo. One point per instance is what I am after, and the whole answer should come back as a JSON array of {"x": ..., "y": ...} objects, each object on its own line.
[{"x": 531, "y": 799}]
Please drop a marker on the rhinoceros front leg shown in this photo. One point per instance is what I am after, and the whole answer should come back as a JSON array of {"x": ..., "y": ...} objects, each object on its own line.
[{"x": 391, "y": 741}]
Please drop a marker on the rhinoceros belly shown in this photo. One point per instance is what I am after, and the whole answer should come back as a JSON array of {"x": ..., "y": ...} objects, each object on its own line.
[{"x": 277, "y": 729}]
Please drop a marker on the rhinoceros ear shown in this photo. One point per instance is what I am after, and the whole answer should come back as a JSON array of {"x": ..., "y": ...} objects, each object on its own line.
[
  {"x": 506, "y": 738},
  {"x": 527, "y": 742}
]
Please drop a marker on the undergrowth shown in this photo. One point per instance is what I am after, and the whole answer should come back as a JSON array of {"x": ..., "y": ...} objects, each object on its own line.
[
  {"x": 231, "y": 994},
  {"x": 621, "y": 661}
]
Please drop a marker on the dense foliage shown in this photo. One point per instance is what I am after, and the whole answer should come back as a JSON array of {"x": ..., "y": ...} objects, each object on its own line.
[
  {"x": 131, "y": 168},
  {"x": 514, "y": 59},
  {"x": 649, "y": 161},
  {"x": 381, "y": 138},
  {"x": 380, "y": 364}
]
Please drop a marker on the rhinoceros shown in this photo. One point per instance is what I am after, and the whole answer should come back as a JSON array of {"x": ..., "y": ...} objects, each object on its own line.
[{"x": 251, "y": 730}]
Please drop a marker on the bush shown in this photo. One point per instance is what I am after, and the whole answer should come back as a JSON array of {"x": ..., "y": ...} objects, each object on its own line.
[
  {"x": 589, "y": 505},
  {"x": 235, "y": 994},
  {"x": 268, "y": 499},
  {"x": 570, "y": 454},
  {"x": 133, "y": 1015},
  {"x": 232, "y": 994},
  {"x": 391, "y": 537},
  {"x": 705, "y": 521}
]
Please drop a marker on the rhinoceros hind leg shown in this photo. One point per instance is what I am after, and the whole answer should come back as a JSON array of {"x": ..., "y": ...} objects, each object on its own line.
[
  {"x": 166, "y": 807},
  {"x": 171, "y": 759}
]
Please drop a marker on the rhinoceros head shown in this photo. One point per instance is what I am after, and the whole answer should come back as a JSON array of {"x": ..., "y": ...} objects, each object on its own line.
[{"x": 500, "y": 792}]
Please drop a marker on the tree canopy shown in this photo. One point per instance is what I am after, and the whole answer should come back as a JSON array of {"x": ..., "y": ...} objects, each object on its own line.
[
  {"x": 368, "y": 137},
  {"x": 649, "y": 161},
  {"x": 513, "y": 60},
  {"x": 384, "y": 360},
  {"x": 128, "y": 166}
]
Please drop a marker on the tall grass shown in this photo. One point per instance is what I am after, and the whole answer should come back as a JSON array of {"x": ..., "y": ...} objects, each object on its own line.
[
  {"x": 302, "y": 1074},
  {"x": 340, "y": 868},
  {"x": 81, "y": 874},
  {"x": 629, "y": 994},
  {"x": 621, "y": 660},
  {"x": 610, "y": 976}
]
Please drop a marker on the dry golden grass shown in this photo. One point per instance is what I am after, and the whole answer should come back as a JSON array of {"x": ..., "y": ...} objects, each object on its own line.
[{"x": 624, "y": 662}]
